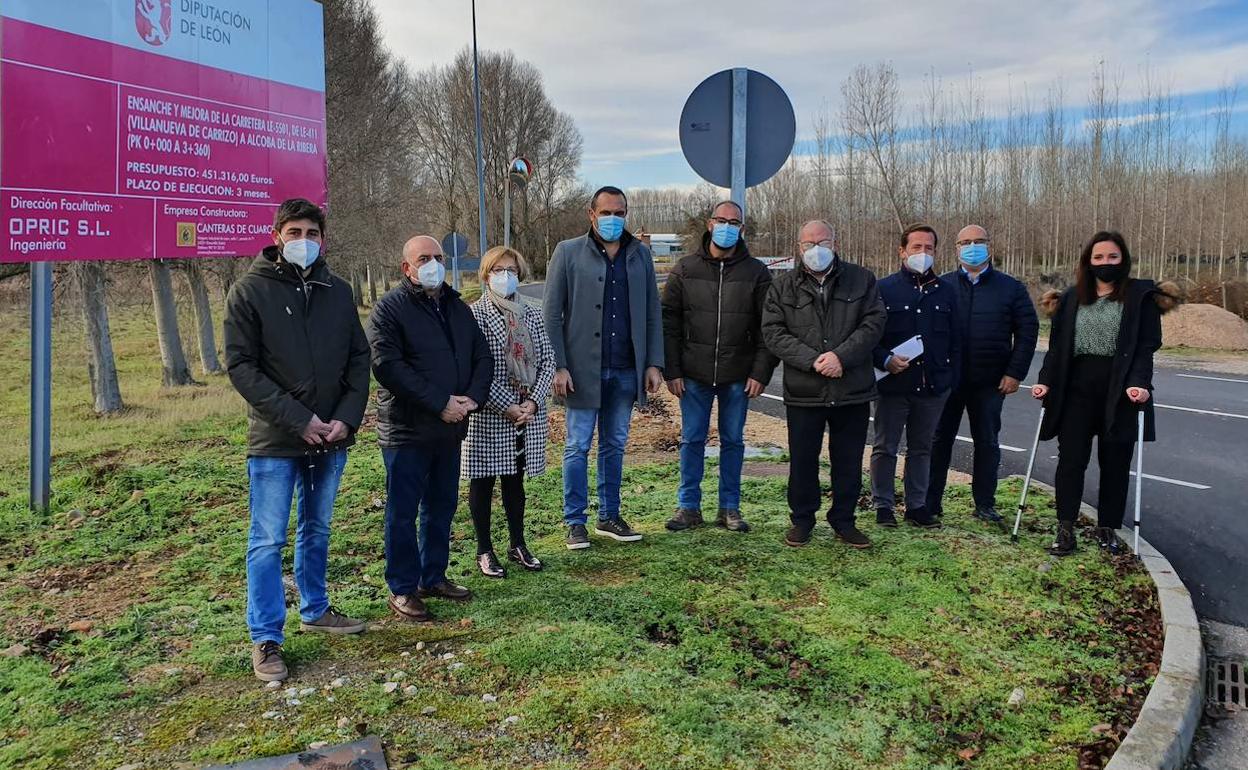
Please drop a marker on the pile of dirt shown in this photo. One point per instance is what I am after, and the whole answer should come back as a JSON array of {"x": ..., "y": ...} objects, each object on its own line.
[{"x": 1204, "y": 326}]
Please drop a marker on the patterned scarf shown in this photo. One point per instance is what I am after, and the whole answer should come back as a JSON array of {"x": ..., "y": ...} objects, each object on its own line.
[{"x": 521, "y": 368}]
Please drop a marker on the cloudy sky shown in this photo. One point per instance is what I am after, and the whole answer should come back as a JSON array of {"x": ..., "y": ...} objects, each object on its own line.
[{"x": 623, "y": 70}]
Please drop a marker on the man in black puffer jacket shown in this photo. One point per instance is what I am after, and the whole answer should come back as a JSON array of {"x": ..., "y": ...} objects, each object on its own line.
[
  {"x": 296, "y": 353},
  {"x": 713, "y": 350},
  {"x": 434, "y": 367},
  {"x": 997, "y": 322}
]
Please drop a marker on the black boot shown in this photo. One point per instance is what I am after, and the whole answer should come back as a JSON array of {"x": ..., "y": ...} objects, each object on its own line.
[
  {"x": 1107, "y": 539},
  {"x": 1064, "y": 543}
]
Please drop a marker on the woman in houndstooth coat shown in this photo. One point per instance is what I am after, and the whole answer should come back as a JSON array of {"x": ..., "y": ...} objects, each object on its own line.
[{"x": 507, "y": 437}]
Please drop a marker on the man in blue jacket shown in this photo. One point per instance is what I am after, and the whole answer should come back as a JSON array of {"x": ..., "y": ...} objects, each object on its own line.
[
  {"x": 434, "y": 368},
  {"x": 997, "y": 323},
  {"x": 913, "y": 393}
]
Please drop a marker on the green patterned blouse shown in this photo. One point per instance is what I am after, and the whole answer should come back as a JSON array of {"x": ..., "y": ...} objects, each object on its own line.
[{"x": 1096, "y": 328}]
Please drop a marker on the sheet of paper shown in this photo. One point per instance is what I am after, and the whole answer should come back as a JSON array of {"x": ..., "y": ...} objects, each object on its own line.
[{"x": 910, "y": 349}]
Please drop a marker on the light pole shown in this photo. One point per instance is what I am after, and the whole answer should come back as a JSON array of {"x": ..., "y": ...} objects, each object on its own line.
[{"x": 482, "y": 245}]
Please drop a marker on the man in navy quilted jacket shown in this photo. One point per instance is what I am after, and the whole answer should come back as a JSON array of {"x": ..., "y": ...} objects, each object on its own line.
[
  {"x": 997, "y": 322},
  {"x": 914, "y": 388}
]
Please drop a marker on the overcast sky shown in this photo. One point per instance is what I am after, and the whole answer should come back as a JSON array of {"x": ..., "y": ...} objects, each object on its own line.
[{"x": 623, "y": 70}]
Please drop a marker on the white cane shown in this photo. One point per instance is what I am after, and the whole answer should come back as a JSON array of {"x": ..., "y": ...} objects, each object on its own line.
[
  {"x": 1139, "y": 473},
  {"x": 1022, "y": 501}
]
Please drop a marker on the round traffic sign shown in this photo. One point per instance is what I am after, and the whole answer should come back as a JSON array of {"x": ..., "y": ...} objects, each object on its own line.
[
  {"x": 706, "y": 128},
  {"x": 454, "y": 245}
]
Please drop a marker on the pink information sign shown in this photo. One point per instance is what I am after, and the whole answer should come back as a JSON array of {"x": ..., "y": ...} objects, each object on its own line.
[{"x": 133, "y": 129}]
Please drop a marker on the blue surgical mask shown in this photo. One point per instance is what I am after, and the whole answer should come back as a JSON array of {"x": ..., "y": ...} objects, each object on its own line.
[
  {"x": 431, "y": 274},
  {"x": 725, "y": 235},
  {"x": 610, "y": 228},
  {"x": 973, "y": 254},
  {"x": 301, "y": 253}
]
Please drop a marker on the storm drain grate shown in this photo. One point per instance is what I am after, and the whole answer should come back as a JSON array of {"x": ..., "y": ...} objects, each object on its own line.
[{"x": 1226, "y": 683}]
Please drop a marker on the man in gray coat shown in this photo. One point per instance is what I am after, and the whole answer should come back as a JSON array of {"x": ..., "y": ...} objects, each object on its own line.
[{"x": 606, "y": 327}]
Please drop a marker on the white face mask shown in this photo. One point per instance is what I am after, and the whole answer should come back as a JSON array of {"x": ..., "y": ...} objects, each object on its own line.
[
  {"x": 301, "y": 252},
  {"x": 431, "y": 274},
  {"x": 920, "y": 263},
  {"x": 817, "y": 258},
  {"x": 504, "y": 284}
]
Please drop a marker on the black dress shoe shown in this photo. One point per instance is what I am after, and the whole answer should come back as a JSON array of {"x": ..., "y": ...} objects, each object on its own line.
[
  {"x": 885, "y": 517},
  {"x": 447, "y": 590},
  {"x": 1064, "y": 542},
  {"x": 490, "y": 567},
  {"x": 520, "y": 554},
  {"x": 1108, "y": 540}
]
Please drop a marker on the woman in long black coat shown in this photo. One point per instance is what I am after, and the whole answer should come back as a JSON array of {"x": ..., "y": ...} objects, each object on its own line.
[{"x": 1097, "y": 378}]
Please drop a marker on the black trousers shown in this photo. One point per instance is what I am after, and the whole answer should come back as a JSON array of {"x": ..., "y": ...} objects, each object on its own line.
[
  {"x": 982, "y": 405},
  {"x": 1083, "y": 418},
  {"x": 480, "y": 499},
  {"x": 847, "y": 436}
]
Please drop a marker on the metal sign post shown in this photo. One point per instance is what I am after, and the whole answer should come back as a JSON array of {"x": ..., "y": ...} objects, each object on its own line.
[
  {"x": 740, "y": 94},
  {"x": 40, "y": 385},
  {"x": 482, "y": 245}
]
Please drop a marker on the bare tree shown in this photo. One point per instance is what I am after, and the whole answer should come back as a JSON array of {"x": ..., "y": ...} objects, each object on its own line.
[
  {"x": 871, "y": 101},
  {"x": 92, "y": 283},
  {"x": 175, "y": 370},
  {"x": 208, "y": 360}
]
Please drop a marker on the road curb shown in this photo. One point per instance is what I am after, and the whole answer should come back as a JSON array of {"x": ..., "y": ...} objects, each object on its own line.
[{"x": 1162, "y": 734}]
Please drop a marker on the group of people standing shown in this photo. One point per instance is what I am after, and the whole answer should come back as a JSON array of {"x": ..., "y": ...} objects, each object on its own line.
[{"x": 463, "y": 390}]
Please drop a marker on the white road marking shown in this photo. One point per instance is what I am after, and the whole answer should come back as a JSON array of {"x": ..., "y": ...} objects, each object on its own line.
[
  {"x": 1203, "y": 411},
  {"x": 1177, "y": 482},
  {"x": 1202, "y": 377},
  {"x": 1210, "y": 412},
  {"x": 1005, "y": 447}
]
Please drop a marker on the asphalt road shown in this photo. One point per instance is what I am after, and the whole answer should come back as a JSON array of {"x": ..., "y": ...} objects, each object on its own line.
[{"x": 1195, "y": 478}]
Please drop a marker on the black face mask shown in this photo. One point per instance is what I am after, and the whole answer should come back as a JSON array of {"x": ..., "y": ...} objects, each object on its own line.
[{"x": 1107, "y": 273}]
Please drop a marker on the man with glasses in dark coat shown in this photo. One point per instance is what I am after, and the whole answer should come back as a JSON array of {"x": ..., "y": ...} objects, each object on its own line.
[{"x": 997, "y": 323}]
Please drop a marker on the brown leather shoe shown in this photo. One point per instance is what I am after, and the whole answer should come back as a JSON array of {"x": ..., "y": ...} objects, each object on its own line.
[
  {"x": 409, "y": 607},
  {"x": 730, "y": 519},
  {"x": 333, "y": 622},
  {"x": 446, "y": 590},
  {"x": 267, "y": 662}
]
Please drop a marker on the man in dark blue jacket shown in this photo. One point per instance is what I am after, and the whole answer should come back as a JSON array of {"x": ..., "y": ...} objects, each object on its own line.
[
  {"x": 998, "y": 326},
  {"x": 434, "y": 367},
  {"x": 914, "y": 389}
]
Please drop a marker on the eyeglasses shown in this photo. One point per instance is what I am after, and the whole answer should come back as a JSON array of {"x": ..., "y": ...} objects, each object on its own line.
[
  {"x": 972, "y": 240},
  {"x": 501, "y": 270},
  {"x": 808, "y": 245},
  {"x": 722, "y": 221}
]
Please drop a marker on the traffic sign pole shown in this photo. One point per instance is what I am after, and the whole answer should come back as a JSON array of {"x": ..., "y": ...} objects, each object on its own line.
[
  {"x": 40, "y": 385},
  {"x": 740, "y": 92},
  {"x": 507, "y": 212}
]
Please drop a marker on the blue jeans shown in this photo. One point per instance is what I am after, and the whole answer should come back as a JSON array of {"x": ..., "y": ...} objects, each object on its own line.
[
  {"x": 619, "y": 392},
  {"x": 420, "y": 478},
  {"x": 274, "y": 480},
  {"x": 695, "y": 421}
]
